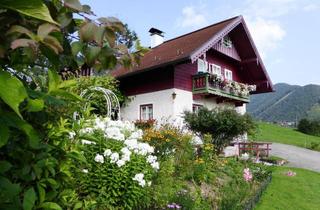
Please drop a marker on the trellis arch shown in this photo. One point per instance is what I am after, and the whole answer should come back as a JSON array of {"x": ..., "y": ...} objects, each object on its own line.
[{"x": 112, "y": 102}]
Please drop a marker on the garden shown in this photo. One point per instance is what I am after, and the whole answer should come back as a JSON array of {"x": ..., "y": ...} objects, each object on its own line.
[{"x": 59, "y": 150}]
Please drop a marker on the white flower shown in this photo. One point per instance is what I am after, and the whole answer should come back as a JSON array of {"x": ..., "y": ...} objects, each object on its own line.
[
  {"x": 72, "y": 134},
  {"x": 128, "y": 126},
  {"x": 136, "y": 135},
  {"x": 117, "y": 123},
  {"x": 151, "y": 159},
  {"x": 196, "y": 140},
  {"x": 99, "y": 158},
  {"x": 125, "y": 151},
  {"x": 87, "y": 142},
  {"x": 114, "y": 157},
  {"x": 107, "y": 152},
  {"x": 86, "y": 130},
  {"x": 142, "y": 183},
  {"x": 244, "y": 156},
  {"x": 114, "y": 133},
  {"x": 126, "y": 154},
  {"x": 149, "y": 183},
  {"x": 85, "y": 171},
  {"x": 155, "y": 165},
  {"x": 99, "y": 124},
  {"x": 131, "y": 143},
  {"x": 139, "y": 178},
  {"x": 120, "y": 163}
]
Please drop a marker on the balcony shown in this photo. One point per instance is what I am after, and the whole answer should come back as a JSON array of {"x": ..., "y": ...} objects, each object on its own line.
[{"x": 206, "y": 83}]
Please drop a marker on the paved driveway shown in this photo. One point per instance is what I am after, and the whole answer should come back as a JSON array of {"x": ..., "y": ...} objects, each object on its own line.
[{"x": 297, "y": 156}]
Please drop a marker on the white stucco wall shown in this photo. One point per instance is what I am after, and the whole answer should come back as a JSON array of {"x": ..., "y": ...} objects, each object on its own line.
[
  {"x": 161, "y": 100},
  {"x": 165, "y": 108}
]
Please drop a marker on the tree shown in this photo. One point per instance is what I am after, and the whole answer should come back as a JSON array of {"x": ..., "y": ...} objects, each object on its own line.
[
  {"x": 38, "y": 38},
  {"x": 222, "y": 124},
  {"x": 314, "y": 113}
]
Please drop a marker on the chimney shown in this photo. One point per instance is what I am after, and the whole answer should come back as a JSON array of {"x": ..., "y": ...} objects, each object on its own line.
[{"x": 157, "y": 37}]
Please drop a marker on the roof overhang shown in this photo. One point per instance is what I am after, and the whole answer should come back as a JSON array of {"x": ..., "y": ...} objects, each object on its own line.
[{"x": 201, "y": 51}]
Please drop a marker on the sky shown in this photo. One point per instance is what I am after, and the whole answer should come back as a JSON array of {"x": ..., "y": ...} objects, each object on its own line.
[{"x": 286, "y": 32}]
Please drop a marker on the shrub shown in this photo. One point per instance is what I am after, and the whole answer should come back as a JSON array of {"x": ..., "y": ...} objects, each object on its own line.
[
  {"x": 145, "y": 124},
  {"x": 222, "y": 124},
  {"x": 97, "y": 101},
  {"x": 118, "y": 169},
  {"x": 311, "y": 127},
  {"x": 314, "y": 146}
]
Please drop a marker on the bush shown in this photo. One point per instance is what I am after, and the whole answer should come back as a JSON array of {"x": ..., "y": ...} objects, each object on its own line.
[
  {"x": 311, "y": 127},
  {"x": 118, "y": 169},
  {"x": 97, "y": 100},
  {"x": 222, "y": 124},
  {"x": 145, "y": 124}
]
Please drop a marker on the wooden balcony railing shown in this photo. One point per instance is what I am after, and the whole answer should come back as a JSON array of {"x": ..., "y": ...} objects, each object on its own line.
[{"x": 206, "y": 83}]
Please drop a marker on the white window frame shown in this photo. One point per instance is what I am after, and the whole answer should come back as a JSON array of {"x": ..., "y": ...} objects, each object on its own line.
[
  {"x": 228, "y": 74},
  {"x": 215, "y": 69},
  {"x": 196, "y": 107},
  {"x": 146, "y": 111},
  {"x": 227, "y": 42},
  {"x": 202, "y": 65}
]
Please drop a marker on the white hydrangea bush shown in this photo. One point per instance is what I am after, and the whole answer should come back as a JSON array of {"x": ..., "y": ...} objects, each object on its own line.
[{"x": 119, "y": 165}]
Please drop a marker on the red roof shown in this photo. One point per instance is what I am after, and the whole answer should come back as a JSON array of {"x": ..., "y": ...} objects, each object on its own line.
[{"x": 174, "y": 50}]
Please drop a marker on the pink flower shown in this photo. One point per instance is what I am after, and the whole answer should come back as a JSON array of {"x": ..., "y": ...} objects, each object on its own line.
[
  {"x": 247, "y": 175},
  {"x": 291, "y": 173}
]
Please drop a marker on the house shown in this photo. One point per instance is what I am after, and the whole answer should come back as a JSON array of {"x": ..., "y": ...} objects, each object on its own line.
[{"x": 215, "y": 66}]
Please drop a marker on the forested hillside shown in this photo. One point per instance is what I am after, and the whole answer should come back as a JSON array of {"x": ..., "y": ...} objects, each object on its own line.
[{"x": 287, "y": 103}]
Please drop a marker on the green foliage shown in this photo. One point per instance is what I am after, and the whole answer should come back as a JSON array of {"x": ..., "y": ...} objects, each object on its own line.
[
  {"x": 314, "y": 146},
  {"x": 275, "y": 133},
  {"x": 288, "y": 103},
  {"x": 35, "y": 106},
  {"x": 32, "y": 8},
  {"x": 145, "y": 124},
  {"x": 109, "y": 183},
  {"x": 223, "y": 125},
  {"x": 291, "y": 192},
  {"x": 309, "y": 127},
  {"x": 97, "y": 100},
  {"x": 314, "y": 113}
]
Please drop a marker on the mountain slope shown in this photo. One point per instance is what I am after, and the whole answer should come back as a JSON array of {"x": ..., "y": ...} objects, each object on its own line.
[{"x": 287, "y": 103}]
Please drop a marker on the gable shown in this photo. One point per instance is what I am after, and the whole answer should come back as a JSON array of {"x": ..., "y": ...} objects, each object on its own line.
[
  {"x": 196, "y": 44},
  {"x": 230, "y": 51}
]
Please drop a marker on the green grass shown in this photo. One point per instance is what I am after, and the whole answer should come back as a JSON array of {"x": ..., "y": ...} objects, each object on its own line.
[
  {"x": 291, "y": 193},
  {"x": 273, "y": 133}
]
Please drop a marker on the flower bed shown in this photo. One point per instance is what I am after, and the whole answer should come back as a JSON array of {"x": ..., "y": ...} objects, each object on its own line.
[{"x": 119, "y": 167}]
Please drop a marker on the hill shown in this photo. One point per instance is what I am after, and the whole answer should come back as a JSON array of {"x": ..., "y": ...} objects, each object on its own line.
[
  {"x": 275, "y": 133},
  {"x": 288, "y": 103}
]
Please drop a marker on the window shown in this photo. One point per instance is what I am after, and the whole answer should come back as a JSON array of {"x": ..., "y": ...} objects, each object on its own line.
[
  {"x": 196, "y": 107},
  {"x": 146, "y": 112},
  {"x": 226, "y": 41},
  {"x": 228, "y": 74},
  {"x": 202, "y": 65},
  {"x": 215, "y": 69}
]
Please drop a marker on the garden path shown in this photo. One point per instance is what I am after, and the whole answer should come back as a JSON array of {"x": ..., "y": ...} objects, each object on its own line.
[{"x": 297, "y": 156}]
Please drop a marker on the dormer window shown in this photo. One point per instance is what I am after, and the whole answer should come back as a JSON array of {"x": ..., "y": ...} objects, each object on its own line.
[{"x": 226, "y": 41}]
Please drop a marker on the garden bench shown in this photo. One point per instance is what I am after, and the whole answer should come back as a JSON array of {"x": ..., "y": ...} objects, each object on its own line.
[{"x": 255, "y": 147}]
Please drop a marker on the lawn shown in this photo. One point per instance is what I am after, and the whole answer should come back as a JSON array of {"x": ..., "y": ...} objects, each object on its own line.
[
  {"x": 291, "y": 193},
  {"x": 274, "y": 133}
]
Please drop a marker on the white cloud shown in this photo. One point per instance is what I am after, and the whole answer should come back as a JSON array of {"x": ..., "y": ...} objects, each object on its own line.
[
  {"x": 311, "y": 7},
  {"x": 269, "y": 8},
  {"x": 192, "y": 18},
  {"x": 267, "y": 34},
  {"x": 264, "y": 21}
]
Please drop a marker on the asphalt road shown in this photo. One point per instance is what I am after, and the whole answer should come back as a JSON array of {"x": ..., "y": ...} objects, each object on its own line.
[{"x": 297, "y": 156}]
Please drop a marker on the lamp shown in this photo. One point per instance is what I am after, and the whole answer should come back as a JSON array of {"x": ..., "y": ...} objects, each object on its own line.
[{"x": 174, "y": 95}]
